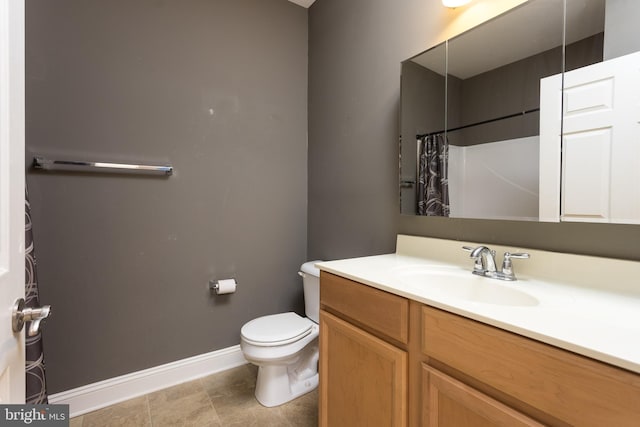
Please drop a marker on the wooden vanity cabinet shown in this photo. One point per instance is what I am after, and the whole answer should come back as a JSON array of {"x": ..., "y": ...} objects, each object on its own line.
[
  {"x": 389, "y": 361},
  {"x": 363, "y": 357}
]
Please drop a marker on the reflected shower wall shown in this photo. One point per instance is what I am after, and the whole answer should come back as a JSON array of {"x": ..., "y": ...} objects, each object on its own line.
[{"x": 483, "y": 185}]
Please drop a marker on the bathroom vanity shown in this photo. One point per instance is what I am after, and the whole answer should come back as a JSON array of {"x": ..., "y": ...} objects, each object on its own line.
[{"x": 403, "y": 342}]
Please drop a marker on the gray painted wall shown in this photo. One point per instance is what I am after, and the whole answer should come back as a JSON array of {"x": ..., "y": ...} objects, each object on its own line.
[
  {"x": 219, "y": 90},
  {"x": 354, "y": 86},
  {"x": 355, "y": 50}
]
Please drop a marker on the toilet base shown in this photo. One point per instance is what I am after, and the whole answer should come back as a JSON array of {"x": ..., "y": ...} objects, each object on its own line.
[
  {"x": 274, "y": 388},
  {"x": 278, "y": 384}
]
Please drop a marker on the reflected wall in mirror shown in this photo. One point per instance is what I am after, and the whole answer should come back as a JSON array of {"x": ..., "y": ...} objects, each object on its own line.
[
  {"x": 423, "y": 104},
  {"x": 491, "y": 76}
]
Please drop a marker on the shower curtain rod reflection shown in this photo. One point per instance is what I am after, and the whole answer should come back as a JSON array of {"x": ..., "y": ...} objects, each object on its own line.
[
  {"x": 484, "y": 122},
  {"x": 89, "y": 166}
]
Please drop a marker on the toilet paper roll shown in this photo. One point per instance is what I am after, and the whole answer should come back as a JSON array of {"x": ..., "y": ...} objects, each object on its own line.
[{"x": 226, "y": 286}]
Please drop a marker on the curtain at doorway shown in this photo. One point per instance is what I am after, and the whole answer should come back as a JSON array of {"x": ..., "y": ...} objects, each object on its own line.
[
  {"x": 433, "y": 182},
  {"x": 36, "y": 387}
]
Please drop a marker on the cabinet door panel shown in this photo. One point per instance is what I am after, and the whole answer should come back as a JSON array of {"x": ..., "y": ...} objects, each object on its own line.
[
  {"x": 363, "y": 380},
  {"x": 448, "y": 402}
]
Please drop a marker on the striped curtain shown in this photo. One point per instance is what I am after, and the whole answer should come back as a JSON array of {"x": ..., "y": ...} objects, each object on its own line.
[
  {"x": 433, "y": 176},
  {"x": 36, "y": 393}
]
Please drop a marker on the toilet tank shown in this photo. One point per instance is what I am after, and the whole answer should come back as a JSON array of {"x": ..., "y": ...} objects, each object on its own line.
[{"x": 311, "y": 282}]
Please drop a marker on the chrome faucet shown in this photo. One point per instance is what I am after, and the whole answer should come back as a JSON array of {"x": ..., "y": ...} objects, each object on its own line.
[
  {"x": 487, "y": 259},
  {"x": 485, "y": 262}
]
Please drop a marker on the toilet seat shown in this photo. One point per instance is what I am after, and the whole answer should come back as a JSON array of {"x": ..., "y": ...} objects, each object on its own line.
[{"x": 276, "y": 329}]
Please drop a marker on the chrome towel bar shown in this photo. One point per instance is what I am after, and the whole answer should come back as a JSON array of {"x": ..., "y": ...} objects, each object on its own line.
[{"x": 69, "y": 165}]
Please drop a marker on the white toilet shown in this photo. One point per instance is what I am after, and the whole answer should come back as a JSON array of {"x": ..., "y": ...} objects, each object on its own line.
[{"x": 285, "y": 346}]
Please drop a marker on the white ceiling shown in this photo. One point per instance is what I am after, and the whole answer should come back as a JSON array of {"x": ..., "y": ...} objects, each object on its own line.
[{"x": 303, "y": 3}]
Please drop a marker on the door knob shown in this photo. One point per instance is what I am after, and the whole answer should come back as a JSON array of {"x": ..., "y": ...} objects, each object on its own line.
[{"x": 33, "y": 315}]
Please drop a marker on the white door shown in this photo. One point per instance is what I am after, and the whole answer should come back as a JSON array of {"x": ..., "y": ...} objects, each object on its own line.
[
  {"x": 12, "y": 262},
  {"x": 600, "y": 143},
  {"x": 591, "y": 174}
]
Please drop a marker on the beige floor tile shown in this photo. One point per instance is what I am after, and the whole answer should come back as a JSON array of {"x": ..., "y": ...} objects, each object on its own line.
[
  {"x": 171, "y": 394},
  {"x": 225, "y": 399},
  {"x": 303, "y": 411},
  {"x": 224, "y": 382},
  {"x": 271, "y": 417},
  {"x": 134, "y": 412},
  {"x": 178, "y": 409},
  {"x": 234, "y": 403},
  {"x": 256, "y": 417}
]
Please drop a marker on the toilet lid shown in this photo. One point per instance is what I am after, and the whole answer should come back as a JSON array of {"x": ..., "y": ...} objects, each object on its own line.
[{"x": 276, "y": 329}]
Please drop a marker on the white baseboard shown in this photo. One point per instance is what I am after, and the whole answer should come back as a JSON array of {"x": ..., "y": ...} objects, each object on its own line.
[{"x": 114, "y": 390}]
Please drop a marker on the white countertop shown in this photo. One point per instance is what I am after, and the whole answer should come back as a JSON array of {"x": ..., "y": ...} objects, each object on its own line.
[{"x": 587, "y": 305}]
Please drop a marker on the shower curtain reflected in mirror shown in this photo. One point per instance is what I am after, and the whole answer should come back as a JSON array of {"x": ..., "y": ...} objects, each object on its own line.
[
  {"x": 36, "y": 387},
  {"x": 433, "y": 183}
]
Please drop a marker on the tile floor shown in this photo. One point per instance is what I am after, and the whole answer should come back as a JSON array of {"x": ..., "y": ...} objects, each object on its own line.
[{"x": 221, "y": 400}]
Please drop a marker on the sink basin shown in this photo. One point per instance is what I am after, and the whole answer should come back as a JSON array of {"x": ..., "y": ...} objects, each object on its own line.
[{"x": 455, "y": 282}]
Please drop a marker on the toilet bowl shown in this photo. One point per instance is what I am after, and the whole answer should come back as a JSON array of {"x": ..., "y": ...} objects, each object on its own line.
[{"x": 284, "y": 346}]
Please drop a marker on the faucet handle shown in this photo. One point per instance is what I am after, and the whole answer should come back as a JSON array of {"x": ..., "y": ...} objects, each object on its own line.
[
  {"x": 517, "y": 255},
  {"x": 507, "y": 265}
]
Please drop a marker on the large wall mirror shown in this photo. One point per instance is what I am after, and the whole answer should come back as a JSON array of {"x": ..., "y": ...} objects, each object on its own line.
[{"x": 471, "y": 108}]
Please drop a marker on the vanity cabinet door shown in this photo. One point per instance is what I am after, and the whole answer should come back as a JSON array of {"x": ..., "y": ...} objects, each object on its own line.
[
  {"x": 448, "y": 402},
  {"x": 363, "y": 379}
]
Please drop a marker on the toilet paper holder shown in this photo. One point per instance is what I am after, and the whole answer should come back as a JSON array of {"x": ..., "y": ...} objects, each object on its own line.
[{"x": 227, "y": 287}]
